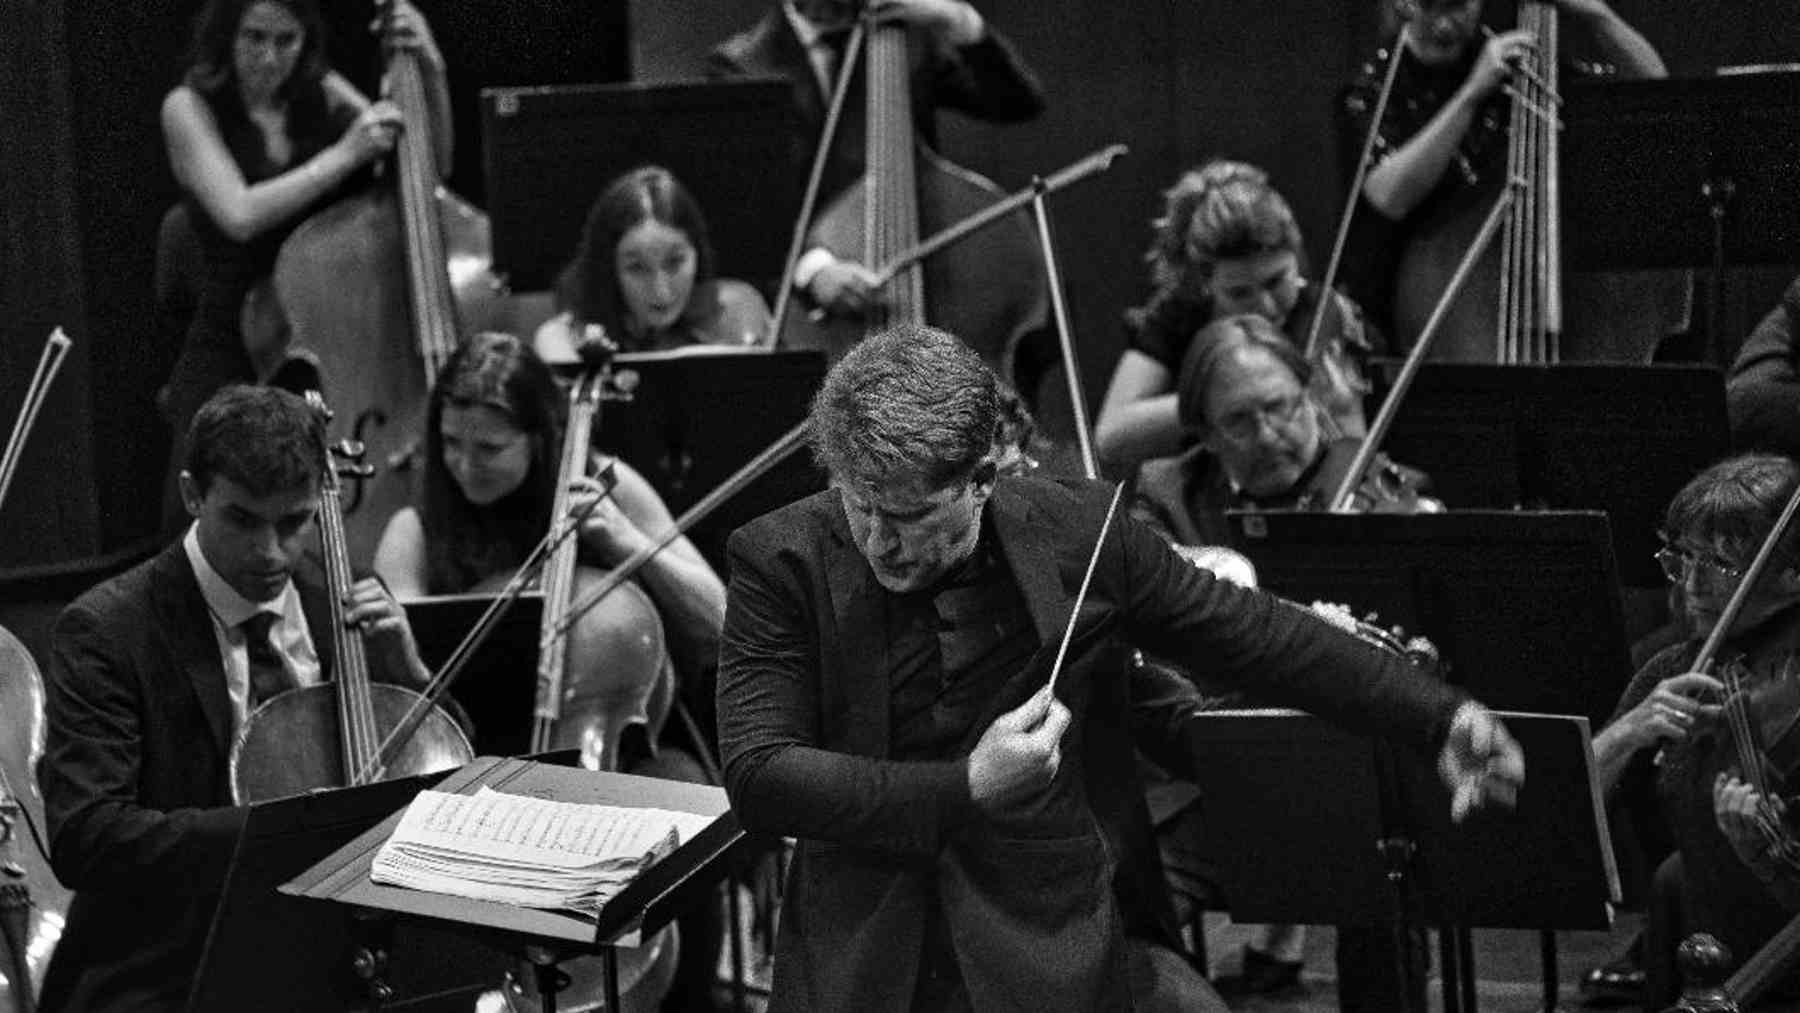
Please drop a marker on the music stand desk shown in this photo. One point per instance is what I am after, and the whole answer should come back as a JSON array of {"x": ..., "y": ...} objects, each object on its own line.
[
  {"x": 1523, "y": 605},
  {"x": 1311, "y": 824},
  {"x": 650, "y": 901},
  {"x": 262, "y": 943}
]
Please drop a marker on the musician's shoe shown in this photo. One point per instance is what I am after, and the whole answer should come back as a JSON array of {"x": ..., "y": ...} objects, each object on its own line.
[
  {"x": 1618, "y": 982},
  {"x": 1261, "y": 975}
]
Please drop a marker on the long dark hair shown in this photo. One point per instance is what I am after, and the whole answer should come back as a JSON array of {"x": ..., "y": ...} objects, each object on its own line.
[
  {"x": 212, "y": 73},
  {"x": 465, "y": 542},
  {"x": 589, "y": 286}
]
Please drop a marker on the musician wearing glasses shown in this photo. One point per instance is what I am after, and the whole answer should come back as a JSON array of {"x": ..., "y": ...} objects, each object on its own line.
[
  {"x": 884, "y": 695},
  {"x": 1442, "y": 142},
  {"x": 1736, "y": 869},
  {"x": 1244, "y": 393}
]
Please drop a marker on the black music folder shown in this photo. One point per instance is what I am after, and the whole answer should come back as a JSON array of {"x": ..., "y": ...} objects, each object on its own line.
[{"x": 1523, "y": 606}]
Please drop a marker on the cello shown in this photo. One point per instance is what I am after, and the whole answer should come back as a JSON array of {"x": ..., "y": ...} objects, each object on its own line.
[
  {"x": 990, "y": 291},
  {"x": 596, "y": 678},
  {"x": 410, "y": 260},
  {"x": 32, "y": 902},
  {"x": 327, "y": 736}
]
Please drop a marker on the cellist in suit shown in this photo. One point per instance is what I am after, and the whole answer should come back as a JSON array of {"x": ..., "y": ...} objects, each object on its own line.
[
  {"x": 961, "y": 63},
  {"x": 152, "y": 672},
  {"x": 882, "y": 696}
]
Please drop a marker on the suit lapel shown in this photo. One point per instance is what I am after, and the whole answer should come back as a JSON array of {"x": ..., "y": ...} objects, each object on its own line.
[
  {"x": 860, "y": 637},
  {"x": 188, "y": 626}
]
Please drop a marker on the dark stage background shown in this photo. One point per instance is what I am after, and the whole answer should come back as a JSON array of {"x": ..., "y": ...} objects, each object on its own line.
[{"x": 83, "y": 178}]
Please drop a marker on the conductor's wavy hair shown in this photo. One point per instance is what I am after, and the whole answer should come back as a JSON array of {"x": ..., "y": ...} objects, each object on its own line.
[
  {"x": 466, "y": 542},
  {"x": 1221, "y": 211},
  {"x": 912, "y": 403},
  {"x": 588, "y": 286},
  {"x": 1218, "y": 343},
  {"x": 1733, "y": 505}
]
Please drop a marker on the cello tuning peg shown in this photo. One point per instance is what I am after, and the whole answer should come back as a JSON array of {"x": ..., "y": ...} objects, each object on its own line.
[{"x": 349, "y": 450}]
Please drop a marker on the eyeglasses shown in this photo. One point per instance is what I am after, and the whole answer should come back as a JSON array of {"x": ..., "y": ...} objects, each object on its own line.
[
  {"x": 1243, "y": 425},
  {"x": 1677, "y": 564}
]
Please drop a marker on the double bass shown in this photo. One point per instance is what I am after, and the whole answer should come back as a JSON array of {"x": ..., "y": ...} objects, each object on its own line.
[
  {"x": 1521, "y": 306},
  {"x": 988, "y": 289},
  {"x": 381, "y": 287}
]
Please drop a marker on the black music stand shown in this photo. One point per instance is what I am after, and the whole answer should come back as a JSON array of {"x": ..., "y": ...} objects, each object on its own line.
[
  {"x": 498, "y": 686},
  {"x": 1617, "y": 438},
  {"x": 695, "y": 417},
  {"x": 736, "y": 145},
  {"x": 1692, "y": 172},
  {"x": 660, "y": 893},
  {"x": 1523, "y": 606},
  {"x": 313, "y": 956},
  {"x": 1309, "y": 824}
]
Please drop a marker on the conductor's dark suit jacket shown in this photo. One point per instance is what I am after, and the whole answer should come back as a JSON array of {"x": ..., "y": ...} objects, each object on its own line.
[
  {"x": 141, "y": 826},
  {"x": 804, "y": 729},
  {"x": 986, "y": 80}
]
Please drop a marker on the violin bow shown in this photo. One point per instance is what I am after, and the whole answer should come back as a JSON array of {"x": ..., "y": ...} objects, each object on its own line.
[{"x": 56, "y": 348}]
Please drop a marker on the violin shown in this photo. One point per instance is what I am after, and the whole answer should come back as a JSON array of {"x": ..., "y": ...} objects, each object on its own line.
[
  {"x": 1383, "y": 487},
  {"x": 328, "y": 736}
]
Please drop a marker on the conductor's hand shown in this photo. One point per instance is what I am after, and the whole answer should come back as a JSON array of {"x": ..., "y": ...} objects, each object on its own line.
[
  {"x": 1499, "y": 55},
  {"x": 371, "y": 611},
  {"x": 844, "y": 288},
  {"x": 1669, "y": 712},
  {"x": 1019, "y": 753},
  {"x": 1480, "y": 762},
  {"x": 373, "y": 133}
]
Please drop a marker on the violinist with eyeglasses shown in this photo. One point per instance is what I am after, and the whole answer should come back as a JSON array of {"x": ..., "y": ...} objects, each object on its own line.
[
  {"x": 1735, "y": 872},
  {"x": 1244, "y": 392}
]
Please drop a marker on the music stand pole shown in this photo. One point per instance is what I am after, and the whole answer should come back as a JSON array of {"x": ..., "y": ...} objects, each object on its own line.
[{"x": 1718, "y": 192}]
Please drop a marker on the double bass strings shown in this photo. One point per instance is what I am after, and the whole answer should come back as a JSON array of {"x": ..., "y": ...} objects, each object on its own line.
[{"x": 56, "y": 348}]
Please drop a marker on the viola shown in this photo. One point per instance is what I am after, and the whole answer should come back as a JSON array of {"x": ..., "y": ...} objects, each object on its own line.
[{"x": 329, "y": 736}]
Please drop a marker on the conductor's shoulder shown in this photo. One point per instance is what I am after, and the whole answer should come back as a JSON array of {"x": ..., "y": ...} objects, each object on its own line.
[
  {"x": 795, "y": 524},
  {"x": 1056, "y": 496}
]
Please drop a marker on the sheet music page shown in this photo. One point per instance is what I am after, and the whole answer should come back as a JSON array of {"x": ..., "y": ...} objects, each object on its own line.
[{"x": 527, "y": 851}]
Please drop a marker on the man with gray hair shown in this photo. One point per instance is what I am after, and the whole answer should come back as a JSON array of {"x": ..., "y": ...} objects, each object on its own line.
[{"x": 884, "y": 696}]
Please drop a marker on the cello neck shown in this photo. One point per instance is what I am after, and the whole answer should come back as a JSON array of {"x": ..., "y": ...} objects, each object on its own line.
[
  {"x": 1529, "y": 320},
  {"x": 358, "y": 735},
  {"x": 891, "y": 177},
  {"x": 559, "y": 569},
  {"x": 431, "y": 300}
]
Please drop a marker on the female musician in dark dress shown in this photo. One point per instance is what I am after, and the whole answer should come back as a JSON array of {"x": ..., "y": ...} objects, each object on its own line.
[
  {"x": 1727, "y": 877},
  {"x": 493, "y": 436},
  {"x": 1227, "y": 243},
  {"x": 644, "y": 272},
  {"x": 260, "y": 134}
]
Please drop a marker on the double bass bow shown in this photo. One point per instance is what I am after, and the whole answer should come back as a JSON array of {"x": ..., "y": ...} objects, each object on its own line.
[
  {"x": 328, "y": 736},
  {"x": 32, "y": 902}
]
